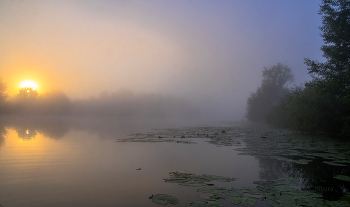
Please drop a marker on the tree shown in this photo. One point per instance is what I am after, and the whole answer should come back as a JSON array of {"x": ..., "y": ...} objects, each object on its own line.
[
  {"x": 331, "y": 79},
  {"x": 272, "y": 89},
  {"x": 333, "y": 76},
  {"x": 27, "y": 94},
  {"x": 323, "y": 104},
  {"x": 3, "y": 91}
]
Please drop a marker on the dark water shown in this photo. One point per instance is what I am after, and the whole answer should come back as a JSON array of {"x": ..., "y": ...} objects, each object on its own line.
[{"x": 81, "y": 162}]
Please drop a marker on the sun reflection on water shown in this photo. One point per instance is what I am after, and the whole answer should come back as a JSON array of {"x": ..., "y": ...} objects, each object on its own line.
[{"x": 26, "y": 134}]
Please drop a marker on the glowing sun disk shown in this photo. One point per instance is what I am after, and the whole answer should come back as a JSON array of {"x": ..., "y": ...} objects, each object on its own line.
[{"x": 29, "y": 83}]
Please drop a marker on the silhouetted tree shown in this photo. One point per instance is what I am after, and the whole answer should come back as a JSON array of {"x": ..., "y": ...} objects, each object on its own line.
[
  {"x": 27, "y": 94},
  {"x": 323, "y": 104},
  {"x": 272, "y": 89},
  {"x": 336, "y": 36},
  {"x": 331, "y": 79},
  {"x": 3, "y": 91},
  {"x": 54, "y": 103}
]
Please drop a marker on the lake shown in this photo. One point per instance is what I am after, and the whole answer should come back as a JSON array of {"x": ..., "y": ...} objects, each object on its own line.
[{"x": 126, "y": 162}]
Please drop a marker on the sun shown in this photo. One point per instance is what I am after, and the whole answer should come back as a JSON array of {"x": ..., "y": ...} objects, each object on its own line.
[{"x": 29, "y": 84}]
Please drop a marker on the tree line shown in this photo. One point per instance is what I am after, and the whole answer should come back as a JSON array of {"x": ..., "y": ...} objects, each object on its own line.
[
  {"x": 322, "y": 104},
  {"x": 122, "y": 103}
]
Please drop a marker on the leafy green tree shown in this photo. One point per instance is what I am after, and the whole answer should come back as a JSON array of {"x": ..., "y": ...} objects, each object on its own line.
[
  {"x": 331, "y": 79},
  {"x": 272, "y": 89},
  {"x": 306, "y": 109},
  {"x": 323, "y": 104},
  {"x": 336, "y": 35},
  {"x": 333, "y": 76}
]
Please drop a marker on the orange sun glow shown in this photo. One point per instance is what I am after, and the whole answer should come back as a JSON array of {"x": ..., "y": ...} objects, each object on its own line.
[{"x": 29, "y": 83}]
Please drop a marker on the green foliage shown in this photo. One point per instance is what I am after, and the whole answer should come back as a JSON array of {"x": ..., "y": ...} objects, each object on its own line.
[
  {"x": 308, "y": 109},
  {"x": 332, "y": 78},
  {"x": 278, "y": 116},
  {"x": 323, "y": 104},
  {"x": 272, "y": 89},
  {"x": 336, "y": 35},
  {"x": 163, "y": 199}
]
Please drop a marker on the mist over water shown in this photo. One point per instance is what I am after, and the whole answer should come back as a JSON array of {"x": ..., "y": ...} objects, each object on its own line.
[
  {"x": 113, "y": 103},
  {"x": 193, "y": 58}
]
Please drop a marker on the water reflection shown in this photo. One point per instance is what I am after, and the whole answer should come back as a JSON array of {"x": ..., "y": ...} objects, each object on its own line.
[
  {"x": 28, "y": 128},
  {"x": 77, "y": 162},
  {"x": 81, "y": 157},
  {"x": 26, "y": 134},
  {"x": 315, "y": 177},
  {"x": 3, "y": 134}
]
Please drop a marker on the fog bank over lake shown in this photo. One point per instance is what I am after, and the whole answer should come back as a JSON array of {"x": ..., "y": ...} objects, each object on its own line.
[{"x": 210, "y": 54}]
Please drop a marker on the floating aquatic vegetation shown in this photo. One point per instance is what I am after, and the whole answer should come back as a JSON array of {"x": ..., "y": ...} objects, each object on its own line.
[
  {"x": 342, "y": 177},
  {"x": 310, "y": 201},
  {"x": 163, "y": 199},
  {"x": 257, "y": 196},
  {"x": 279, "y": 181},
  {"x": 212, "y": 196},
  {"x": 337, "y": 203},
  {"x": 204, "y": 204},
  {"x": 194, "y": 180},
  {"x": 277, "y": 193},
  {"x": 334, "y": 164},
  {"x": 245, "y": 201},
  {"x": 230, "y": 137},
  {"x": 193, "y": 183},
  {"x": 292, "y": 149},
  {"x": 212, "y": 189}
]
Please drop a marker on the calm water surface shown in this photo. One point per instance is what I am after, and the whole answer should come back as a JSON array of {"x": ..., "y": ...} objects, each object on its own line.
[{"x": 79, "y": 162}]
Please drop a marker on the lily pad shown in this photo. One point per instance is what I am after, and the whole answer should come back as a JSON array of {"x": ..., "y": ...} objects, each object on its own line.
[
  {"x": 337, "y": 203},
  {"x": 245, "y": 201},
  {"x": 194, "y": 180},
  {"x": 163, "y": 199},
  {"x": 176, "y": 180},
  {"x": 334, "y": 164},
  {"x": 193, "y": 183},
  {"x": 342, "y": 177},
  {"x": 219, "y": 178},
  {"x": 211, "y": 189},
  {"x": 302, "y": 161},
  {"x": 257, "y": 196},
  {"x": 212, "y": 197},
  {"x": 237, "y": 200},
  {"x": 287, "y": 181},
  {"x": 312, "y": 202},
  {"x": 204, "y": 204}
]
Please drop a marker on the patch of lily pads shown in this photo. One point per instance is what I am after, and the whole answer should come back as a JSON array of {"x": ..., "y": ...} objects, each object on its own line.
[
  {"x": 163, "y": 199},
  {"x": 282, "y": 145},
  {"x": 280, "y": 192},
  {"x": 205, "y": 204},
  {"x": 297, "y": 148},
  {"x": 220, "y": 136},
  {"x": 194, "y": 180},
  {"x": 245, "y": 201},
  {"x": 263, "y": 142},
  {"x": 342, "y": 177}
]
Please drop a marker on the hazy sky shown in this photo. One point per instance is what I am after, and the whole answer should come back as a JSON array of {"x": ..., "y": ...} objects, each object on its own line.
[{"x": 212, "y": 52}]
